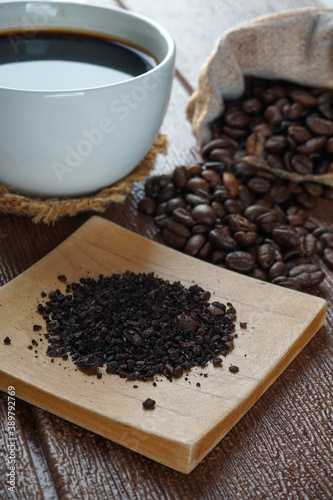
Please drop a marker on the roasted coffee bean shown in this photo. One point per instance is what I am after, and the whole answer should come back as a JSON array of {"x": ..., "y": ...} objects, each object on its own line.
[
  {"x": 221, "y": 240},
  {"x": 269, "y": 95},
  {"x": 175, "y": 234},
  {"x": 286, "y": 236},
  {"x": 287, "y": 282},
  {"x": 204, "y": 214},
  {"x": 182, "y": 216},
  {"x": 212, "y": 177},
  {"x": 304, "y": 98},
  {"x": 205, "y": 251},
  {"x": 220, "y": 143},
  {"x": 280, "y": 193},
  {"x": 319, "y": 126},
  {"x": 254, "y": 211},
  {"x": 219, "y": 209},
  {"x": 233, "y": 369},
  {"x": 246, "y": 198},
  {"x": 236, "y": 119},
  {"x": 258, "y": 185},
  {"x": 235, "y": 133},
  {"x": 277, "y": 269},
  {"x": 276, "y": 143},
  {"x": 266, "y": 255},
  {"x": 299, "y": 133},
  {"x": 178, "y": 229},
  {"x": 231, "y": 183},
  {"x": 151, "y": 187},
  {"x": 273, "y": 116},
  {"x": 327, "y": 238},
  {"x": 232, "y": 206},
  {"x": 168, "y": 192},
  {"x": 255, "y": 144},
  {"x": 221, "y": 194},
  {"x": 194, "y": 244},
  {"x": 291, "y": 253},
  {"x": 245, "y": 238},
  {"x": 174, "y": 203},
  {"x": 252, "y": 106},
  {"x": 243, "y": 169},
  {"x": 306, "y": 201},
  {"x": 267, "y": 221},
  {"x": 181, "y": 176},
  {"x": 302, "y": 164},
  {"x": 259, "y": 274},
  {"x": 219, "y": 256},
  {"x": 147, "y": 206},
  {"x": 308, "y": 275},
  {"x": 292, "y": 111},
  {"x": 217, "y": 166},
  {"x": 241, "y": 262},
  {"x": 308, "y": 245},
  {"x": 222, "y": 155},
  {"x": 200, "y": 229},
  {"x": 329, "y": 145},
  {"x": 292, "y": 145},
  {"x": 328, "y": 257},
  {"x": 162, "y": 220},
  {"x": 161, "y": 209},
  {"x": 195, "y": 169},
  {"x": 163, "y": 180},
  {"x": 326, "y": 110},
  {"x": 266, "y": 174},
  {"x": 196, "y": 183},
  {"x": 173, "y": 239},
  {"x": 149, "y": 403},
  {"x": 312, "y": 146},
  {"x": 313, "y": 189},
  {"x": 240, "y": 223},
  {"x": 265, "y": 129}
]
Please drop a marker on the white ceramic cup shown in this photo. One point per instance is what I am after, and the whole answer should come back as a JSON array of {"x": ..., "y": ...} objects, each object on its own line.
[{"x": 74, "y": 142}]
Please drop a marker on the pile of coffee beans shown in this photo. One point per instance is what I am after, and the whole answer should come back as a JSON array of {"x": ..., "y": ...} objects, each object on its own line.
[
  {"x": 244, "y": 218},
  {"x": 138, "y": 325},
  {"x": 292, "y": 124}
]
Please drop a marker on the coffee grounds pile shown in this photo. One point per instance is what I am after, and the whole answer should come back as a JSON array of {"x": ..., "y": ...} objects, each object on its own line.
[
  {"x": 237, "y": 216},
  {"x": 138, "y": 325}
]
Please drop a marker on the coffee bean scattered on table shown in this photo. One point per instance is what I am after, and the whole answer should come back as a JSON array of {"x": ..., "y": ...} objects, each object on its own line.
[
  {"x": 244, "y": 218},
  {"x": 149, "y": 403},
  {"x": 138, "y": 325},
  {"x": 6, "y": 340},
  {"x": 233, "y": 369}
]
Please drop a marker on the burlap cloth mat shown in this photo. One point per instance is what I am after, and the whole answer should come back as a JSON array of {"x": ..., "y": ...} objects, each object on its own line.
[{"x": 52, "y": 209}]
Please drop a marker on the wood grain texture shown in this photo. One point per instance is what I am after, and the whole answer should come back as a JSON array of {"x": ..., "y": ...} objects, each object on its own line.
[
  {"x": 187, "y": 422},
  {"x": 208, "y": 18},
  {"x": 281, "y": 449}
]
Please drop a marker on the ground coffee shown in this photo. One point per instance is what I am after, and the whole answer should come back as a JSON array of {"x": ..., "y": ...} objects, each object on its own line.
[{"x": 138, "y": 325}]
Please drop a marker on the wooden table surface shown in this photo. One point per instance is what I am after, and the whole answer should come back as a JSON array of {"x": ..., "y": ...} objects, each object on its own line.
[{"x": 282, "y": 448}]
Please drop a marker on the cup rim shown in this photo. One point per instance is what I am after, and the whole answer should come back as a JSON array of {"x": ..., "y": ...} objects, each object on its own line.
[{"x": 171, "y": 47}]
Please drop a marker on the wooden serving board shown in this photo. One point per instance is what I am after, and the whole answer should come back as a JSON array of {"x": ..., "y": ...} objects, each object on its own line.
[{"x": 187, "y": 421}]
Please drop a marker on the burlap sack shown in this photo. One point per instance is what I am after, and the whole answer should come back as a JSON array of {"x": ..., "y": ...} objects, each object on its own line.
[{"x": 295, "y": 46}]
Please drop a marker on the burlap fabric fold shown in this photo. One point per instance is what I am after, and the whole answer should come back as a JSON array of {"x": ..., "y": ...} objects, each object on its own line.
[
  {"x": 52, "y": 209},
  {"x": 295, "y": 46}
]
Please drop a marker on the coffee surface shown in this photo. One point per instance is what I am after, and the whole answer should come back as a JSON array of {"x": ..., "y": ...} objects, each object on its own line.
[{"x": 67, "y": 61}]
